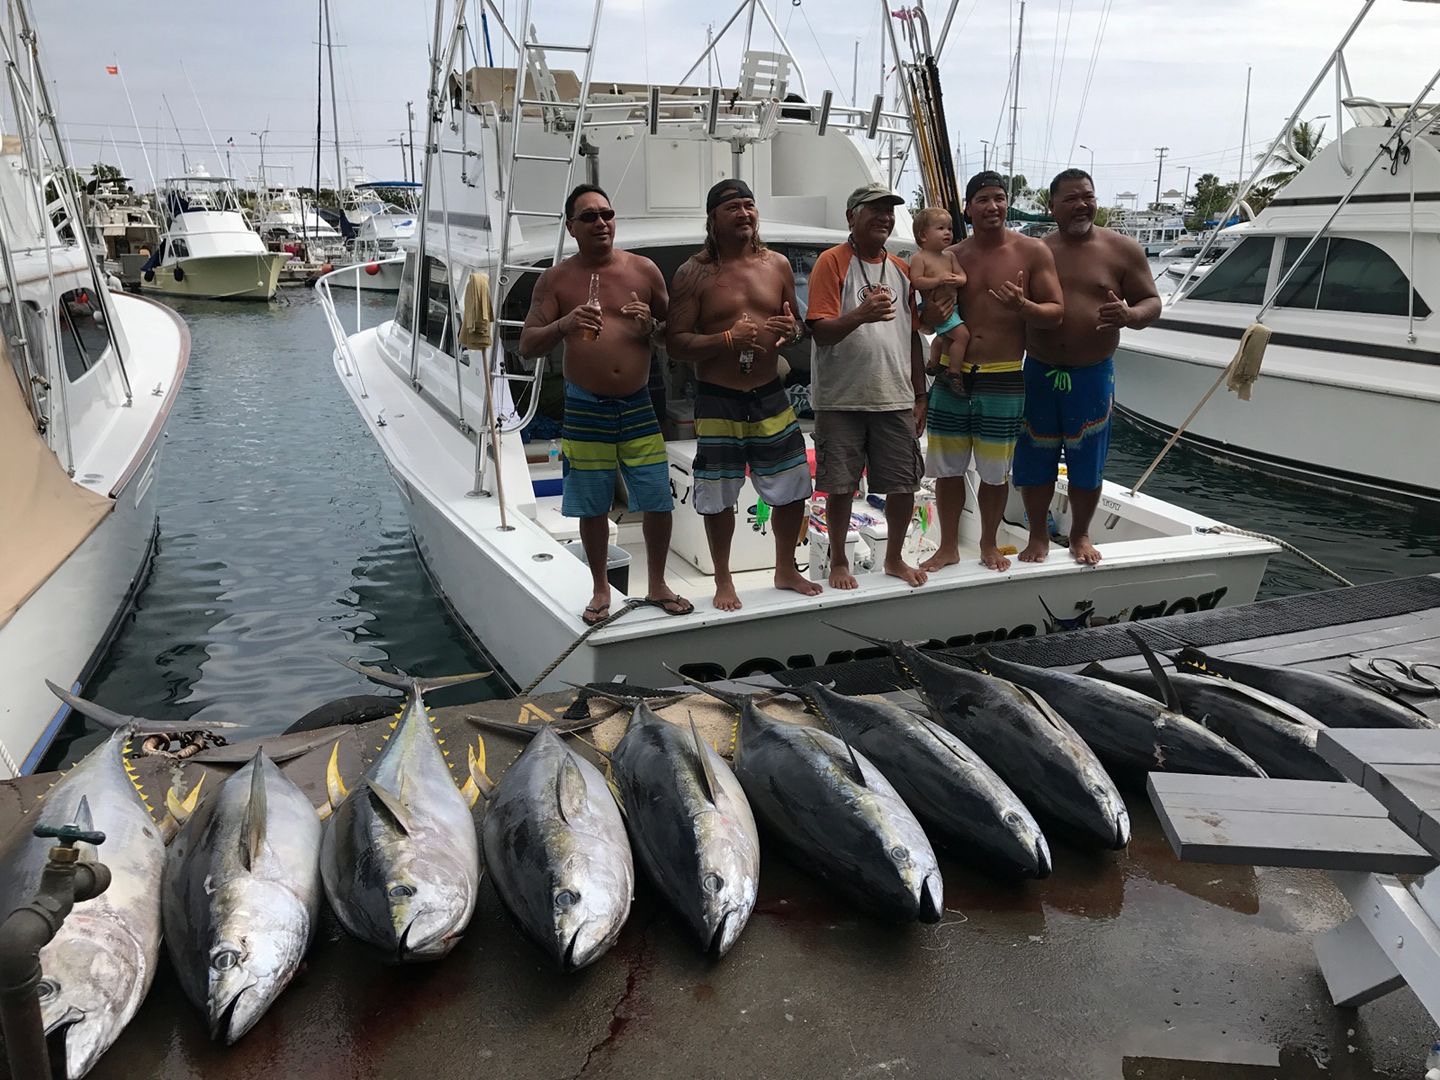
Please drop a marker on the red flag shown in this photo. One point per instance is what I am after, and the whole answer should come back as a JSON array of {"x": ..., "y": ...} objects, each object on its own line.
[{"x": 111, "y": 69}]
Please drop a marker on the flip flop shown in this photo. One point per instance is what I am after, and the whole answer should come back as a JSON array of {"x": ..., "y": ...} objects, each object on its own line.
[
  {"x": 595, "y": 613},
  {"x": 674, "y": 605}
]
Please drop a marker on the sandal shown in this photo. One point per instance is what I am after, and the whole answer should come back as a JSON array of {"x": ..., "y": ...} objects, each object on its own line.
[
  {"x": 595, "y": 613},
  {"x": 674, "y": 605}
]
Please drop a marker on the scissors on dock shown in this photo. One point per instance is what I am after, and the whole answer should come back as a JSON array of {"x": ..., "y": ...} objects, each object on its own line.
[{"x": 1388, "y": 673}]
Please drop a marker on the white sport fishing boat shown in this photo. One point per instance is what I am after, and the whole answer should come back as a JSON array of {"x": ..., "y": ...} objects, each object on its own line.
[
  {"x": 87, "y": 383},
  {"x": 208, "y": 250},
  {"x": 485, "y": 507},
  {"x": 376, "y": 229},
  {"x": 1350, "y": 386}
]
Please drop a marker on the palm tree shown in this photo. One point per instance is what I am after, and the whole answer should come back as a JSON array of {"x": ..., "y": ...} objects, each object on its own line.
[{"x": 1294, "y": 153}]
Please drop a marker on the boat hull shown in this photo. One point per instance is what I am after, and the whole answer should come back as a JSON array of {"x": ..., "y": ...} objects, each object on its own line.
[
  {"x": 385, "y": 279},
  {"x": 220, "y": 277},
  {"x": 1375, "y": 439}
]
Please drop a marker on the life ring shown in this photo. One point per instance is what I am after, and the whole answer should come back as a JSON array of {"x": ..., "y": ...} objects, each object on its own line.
[
  {"x": 372, "y": 269},
  {"x": 178, "y": 273}
]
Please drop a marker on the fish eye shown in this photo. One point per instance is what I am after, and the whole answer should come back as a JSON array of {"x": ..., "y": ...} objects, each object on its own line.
[
  {"x": 566, "y": 898},
  {"x": 47, "y": 989},
  {"x": 900, "y": 854},
  {"x": 1010, "y": 818},
  {"x": 714, "y": 882},
  {"x": 224, "y": 959},
  {"x": 399, "y": 892}
]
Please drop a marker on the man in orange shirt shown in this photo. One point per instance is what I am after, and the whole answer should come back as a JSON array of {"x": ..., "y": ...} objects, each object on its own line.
[{"x": 867, "y": 381}]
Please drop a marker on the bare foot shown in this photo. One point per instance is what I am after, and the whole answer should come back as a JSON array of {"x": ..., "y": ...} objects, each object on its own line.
[
  {"x": 726, "y": 598},
  {"x": 1036, "y": 550},
  {"x": 1083, "y": 550},
  {"x": 942, "y": 558},
  {"x": 992, "y": 558},
  {"x": 795, "y": 581},
  {"x": 906, "y": 573},
  {"x": 841, "y": 578}
]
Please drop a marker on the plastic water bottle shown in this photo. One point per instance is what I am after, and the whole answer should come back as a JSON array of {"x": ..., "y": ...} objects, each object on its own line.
[
  {"x": 554, "y": 453},
  {"x": 1432, "y": 1063}
]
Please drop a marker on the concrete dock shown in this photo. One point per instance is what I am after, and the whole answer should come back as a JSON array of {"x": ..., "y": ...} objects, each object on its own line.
[{"x": 1126, "y": 964}]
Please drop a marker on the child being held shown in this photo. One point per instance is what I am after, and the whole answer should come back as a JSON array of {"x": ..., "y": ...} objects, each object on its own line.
[{"x": 937, "y": 275}]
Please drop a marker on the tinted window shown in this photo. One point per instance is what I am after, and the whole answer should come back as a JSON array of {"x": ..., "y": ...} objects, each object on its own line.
[
  {"x": 83, "y": 339},
  {"x": 1302, "y": 289},
  {"x": 1361, "y": 277},
  {"x": 437, "y": 312},
  {"x": 1240, "y": 277},
  {"x": 405, "y": 301}
]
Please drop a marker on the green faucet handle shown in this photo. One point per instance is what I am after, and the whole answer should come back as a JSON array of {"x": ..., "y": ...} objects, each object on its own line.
[{"x": 69, "y": 835}]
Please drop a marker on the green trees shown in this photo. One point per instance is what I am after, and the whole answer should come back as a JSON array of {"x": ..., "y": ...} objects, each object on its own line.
[{"x": 1210, "y": 199}]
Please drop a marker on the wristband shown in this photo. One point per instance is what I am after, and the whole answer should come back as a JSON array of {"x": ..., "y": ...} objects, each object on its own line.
[{"x": 729, "y": 342}]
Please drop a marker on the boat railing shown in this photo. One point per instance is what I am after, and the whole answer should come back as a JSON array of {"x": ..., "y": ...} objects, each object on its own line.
[{"x": 338, "y": 333}]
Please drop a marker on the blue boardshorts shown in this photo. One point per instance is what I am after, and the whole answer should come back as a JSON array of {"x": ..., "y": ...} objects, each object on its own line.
[
  {"x": 602, "y": 434},
  {"x": 1066, "y": 410}
]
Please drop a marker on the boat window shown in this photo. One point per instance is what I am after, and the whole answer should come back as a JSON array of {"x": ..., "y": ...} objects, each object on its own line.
[
  {"x": 180, "y": 249},
  {"x": 82, "y": 337},
  {"x": 405, "y": 301},
  {"x": 1343, "y": 274},
  {"x": 1361, "y": 277},
  {"x": 1240, "y": 277},
  {"x": 437, "y": 328}
]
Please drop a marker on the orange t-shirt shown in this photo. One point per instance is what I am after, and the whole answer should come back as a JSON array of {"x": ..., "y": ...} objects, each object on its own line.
[{"x": 870, "y": 368}]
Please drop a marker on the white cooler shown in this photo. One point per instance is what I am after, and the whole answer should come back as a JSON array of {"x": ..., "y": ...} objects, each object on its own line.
[{"x": 753, "y": 547}]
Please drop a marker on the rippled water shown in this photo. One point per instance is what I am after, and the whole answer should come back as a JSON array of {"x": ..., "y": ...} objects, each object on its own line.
[{"x": 284, "y": 547}]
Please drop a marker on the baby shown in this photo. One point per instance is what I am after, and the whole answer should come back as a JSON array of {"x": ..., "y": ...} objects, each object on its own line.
[{"x": 936, "y": 274}]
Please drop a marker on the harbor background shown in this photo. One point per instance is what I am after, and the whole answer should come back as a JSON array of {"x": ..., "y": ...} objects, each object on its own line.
[{"x": 284, "y": 547}]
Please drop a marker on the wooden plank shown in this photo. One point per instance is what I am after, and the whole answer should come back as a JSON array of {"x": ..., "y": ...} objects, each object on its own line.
[
  {"x": 1355, "y": 967},
  {"x": 1260, "y": 838},
  {"x": 1352, "y": 750},
  {"x": 1329, "y": 642},
  {"x": 1319, "y": 797},
  {"x": 1407, "y": 791}
]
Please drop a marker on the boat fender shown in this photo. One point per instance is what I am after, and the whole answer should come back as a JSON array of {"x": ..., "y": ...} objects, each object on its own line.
[
  {"x": 178, "y": 273},
  {"x": 372, "y": 269},
  {"x": 149, "y": 275},
  {"x": 327, "y": 268}
]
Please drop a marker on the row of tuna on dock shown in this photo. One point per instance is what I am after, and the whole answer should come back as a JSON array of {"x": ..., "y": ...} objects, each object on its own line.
[{"x": 1004, "y": 754}]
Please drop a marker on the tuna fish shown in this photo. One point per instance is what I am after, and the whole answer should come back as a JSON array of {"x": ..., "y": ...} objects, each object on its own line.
[
  {"x": 100, "y": 965},
  {"x": 960, "y": 800},
  {"x": 398, "y": 855},
  {"x": 690, "y": 824},
  {"x": 557, "y": 853},
  {"x": 1279, "y": 737},
  {"x": 1128, "y": 731},
  {"x": 242, "y": 894},
  {"x": 836, "y": 813},
  {"x": 1027, "y": 744},
  {"x": 1334, "y": 701}
]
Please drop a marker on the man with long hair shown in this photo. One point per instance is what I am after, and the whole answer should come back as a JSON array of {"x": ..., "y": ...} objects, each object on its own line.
[
  {"x": 609, "y": 420},
  {"x": 732, "y": 307}
]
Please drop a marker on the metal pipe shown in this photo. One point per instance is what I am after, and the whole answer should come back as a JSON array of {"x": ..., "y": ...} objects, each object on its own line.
[{"x": 64, "y": 882}]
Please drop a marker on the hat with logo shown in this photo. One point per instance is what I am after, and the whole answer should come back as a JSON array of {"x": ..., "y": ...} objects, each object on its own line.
[{"x": 872, "y": 193}]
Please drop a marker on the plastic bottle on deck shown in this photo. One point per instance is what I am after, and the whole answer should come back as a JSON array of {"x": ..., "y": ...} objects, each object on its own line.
[
  {"x": 1432, "y": 1063},
  {"x": 554, "y": 452}
]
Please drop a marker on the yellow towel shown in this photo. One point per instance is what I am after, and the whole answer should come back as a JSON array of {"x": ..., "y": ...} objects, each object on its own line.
[{"x": 477, "y": 317}]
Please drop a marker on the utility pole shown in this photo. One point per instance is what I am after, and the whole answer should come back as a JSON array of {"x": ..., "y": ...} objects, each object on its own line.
[
  {"x": 1186, "y": 197},
  {"x": 854, "y": 75},
  {"x": 410, "y": 112},
  {"x": 984, "y": 154},
  {"x": 1015, "y": 107},
  {"x": 1161, "y": 151}
]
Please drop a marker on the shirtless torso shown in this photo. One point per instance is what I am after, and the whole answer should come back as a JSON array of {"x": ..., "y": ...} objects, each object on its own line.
[
  {"x": 617, "y": 362},
  {"x": 1094, "y": 270},
  {"x": 997, "y": 327},
  {"x": 711, "y": 297}
]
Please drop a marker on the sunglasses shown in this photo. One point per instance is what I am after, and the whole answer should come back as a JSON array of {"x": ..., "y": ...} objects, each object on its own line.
[{"x": 589, "y": 217}]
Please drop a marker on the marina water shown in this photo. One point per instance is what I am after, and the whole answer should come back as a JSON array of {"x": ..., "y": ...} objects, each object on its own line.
[{"x": 284, "y": 545}]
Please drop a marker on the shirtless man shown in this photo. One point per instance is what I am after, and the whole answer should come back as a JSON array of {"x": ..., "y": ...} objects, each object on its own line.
[
  {"x": 609, "y": 419},
  {"x": 733, "y": 307},
  {"x": 1010, "y": 286},
  {"x": 1069, "y": 375}
]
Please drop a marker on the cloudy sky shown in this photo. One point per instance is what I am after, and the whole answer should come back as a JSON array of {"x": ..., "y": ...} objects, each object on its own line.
[{"x": 1159, "y": 73}]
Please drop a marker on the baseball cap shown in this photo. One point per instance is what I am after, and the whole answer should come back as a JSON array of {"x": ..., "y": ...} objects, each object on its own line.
[
  {"x": 988, "y": 178},
  {"x": 726, "y": 190},
  {"x": 871, "y": 193}
]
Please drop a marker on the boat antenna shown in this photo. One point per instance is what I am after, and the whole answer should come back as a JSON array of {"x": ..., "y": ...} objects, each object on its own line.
[
  {"x": 201, "y": 110},
  {"x": 120, "y": 71},
  {"x": 184, "y": 159}
]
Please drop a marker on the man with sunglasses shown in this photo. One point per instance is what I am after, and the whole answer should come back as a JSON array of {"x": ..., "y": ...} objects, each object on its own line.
[
  {"x": 868, "y": 380},
  {"x": 610, "y": 421},
  {"x": 733, "y": 307}
]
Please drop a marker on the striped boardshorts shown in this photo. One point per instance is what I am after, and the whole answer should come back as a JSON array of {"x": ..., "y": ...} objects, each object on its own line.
[
  {"x": 754, "y": 429},
  {"x": 602, "y": 434},
  {"x": 980, "y": 421}
]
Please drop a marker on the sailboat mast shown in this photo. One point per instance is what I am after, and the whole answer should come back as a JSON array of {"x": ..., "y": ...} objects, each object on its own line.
[
  {"x": 1015, "y": 108},
  {"x": 334, "y": 109}
]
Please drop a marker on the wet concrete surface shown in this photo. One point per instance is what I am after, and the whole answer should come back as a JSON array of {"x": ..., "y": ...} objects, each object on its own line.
[{"x": 1122, "y": 964}]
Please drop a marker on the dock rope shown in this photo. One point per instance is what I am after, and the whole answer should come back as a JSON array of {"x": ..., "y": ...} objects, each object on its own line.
[
  {"x": 625, "y": 609},
  {"x": 10, "y": 762},
  {"x": 1291, "y": 548}
]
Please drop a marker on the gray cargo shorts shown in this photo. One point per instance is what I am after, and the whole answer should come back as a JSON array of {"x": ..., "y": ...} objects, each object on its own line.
[{"x": 881, "y": 444}]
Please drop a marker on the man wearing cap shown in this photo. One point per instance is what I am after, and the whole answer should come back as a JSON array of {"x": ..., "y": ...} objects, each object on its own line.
[
  {"x": 1069, "y": 374},
  {"x": 1010, "y": 286},
  {"x": 732, "y": 306},
  {"x": 868, "y": 380}
]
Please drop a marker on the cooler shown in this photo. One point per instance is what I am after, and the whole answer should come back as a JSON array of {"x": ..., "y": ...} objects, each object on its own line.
[{"x": 753, "y": 547}]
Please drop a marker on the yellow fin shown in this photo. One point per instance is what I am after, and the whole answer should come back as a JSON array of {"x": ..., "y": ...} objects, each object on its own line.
[
  {"x": 335, "y": 791},
  {"x": 478, "y": 783},
  {"x": 181, "y": 809}
]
